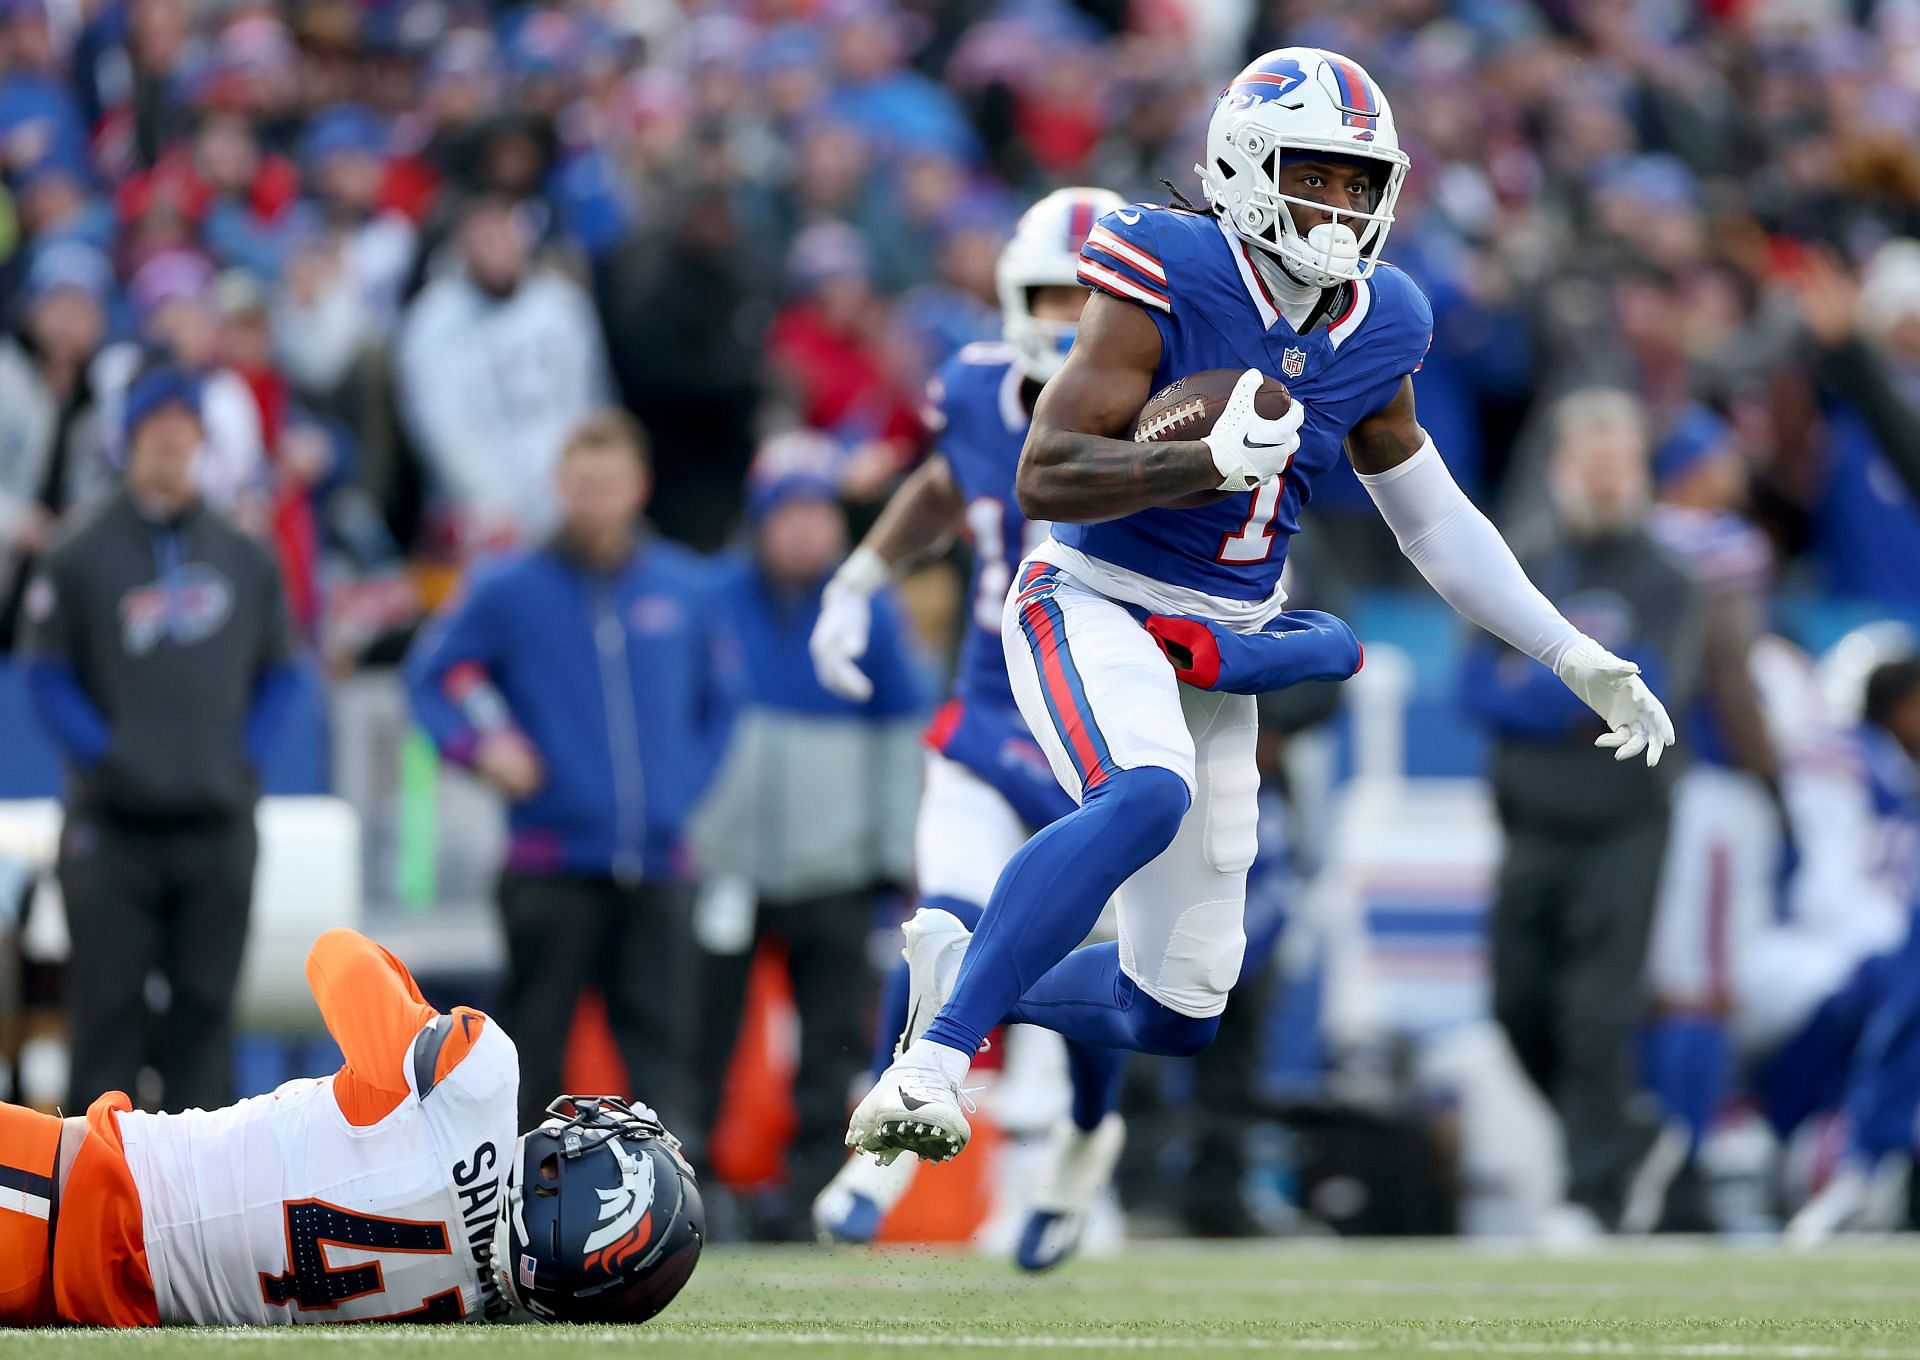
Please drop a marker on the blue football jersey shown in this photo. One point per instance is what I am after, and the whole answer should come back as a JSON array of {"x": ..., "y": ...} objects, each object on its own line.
[
  {"x": 980, "y": 423},
  {"x": 1213, "y": 310}
]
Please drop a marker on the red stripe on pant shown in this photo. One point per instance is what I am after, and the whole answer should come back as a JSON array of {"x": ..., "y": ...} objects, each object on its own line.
[{"x": 1047, "y": 644}]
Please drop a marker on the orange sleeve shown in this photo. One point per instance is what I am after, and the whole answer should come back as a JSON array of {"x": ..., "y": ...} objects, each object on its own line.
[{"x": 373, "y": 1010}]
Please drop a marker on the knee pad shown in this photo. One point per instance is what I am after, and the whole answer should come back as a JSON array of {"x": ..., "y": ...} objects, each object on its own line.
[
  {"x": 1162, "y": 1030},
  {"x": 1148, "y": 802},
  {"x": 1225, "y": 732}
]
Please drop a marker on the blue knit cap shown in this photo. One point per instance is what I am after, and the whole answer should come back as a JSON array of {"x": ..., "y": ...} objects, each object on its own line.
[{"x": 164, "y": 386}]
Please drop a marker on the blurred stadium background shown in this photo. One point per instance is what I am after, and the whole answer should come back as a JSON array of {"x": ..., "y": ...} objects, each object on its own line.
[{"x": 742, "y": 220}]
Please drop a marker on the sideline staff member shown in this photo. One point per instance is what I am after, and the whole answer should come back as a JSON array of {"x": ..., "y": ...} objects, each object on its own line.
[
  {"x": 159, "y": 661},
  {"x": 591, "y": 681}
]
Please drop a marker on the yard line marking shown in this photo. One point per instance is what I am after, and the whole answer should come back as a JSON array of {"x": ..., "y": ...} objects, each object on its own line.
[
  {"x": 1705, "y": 1350},
  {"x": 1281, "y": 1285},
  {"x": 1630, "y": 1350}
]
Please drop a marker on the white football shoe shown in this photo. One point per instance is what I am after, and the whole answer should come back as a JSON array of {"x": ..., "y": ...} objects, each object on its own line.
[
  {"x": 936, "y": 944},
  {"x": 1857, "y": 1199},
  {"x": 850, "y": 1210},
  {"x": 914, "y": 1107},
  {"x": 1080, "y": 1164},
  {"x": 1648, "y": 1187}
]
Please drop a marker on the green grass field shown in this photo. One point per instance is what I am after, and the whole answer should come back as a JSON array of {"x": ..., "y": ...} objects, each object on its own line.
[{"x": 1680, "y": 1300}]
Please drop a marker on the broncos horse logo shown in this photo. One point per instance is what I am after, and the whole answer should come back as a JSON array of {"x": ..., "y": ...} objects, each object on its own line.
[{"x": 626, "y": 1217}]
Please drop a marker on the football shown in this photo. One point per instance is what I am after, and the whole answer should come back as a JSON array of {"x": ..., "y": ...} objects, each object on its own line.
[{"x": 1187, "y": 408}]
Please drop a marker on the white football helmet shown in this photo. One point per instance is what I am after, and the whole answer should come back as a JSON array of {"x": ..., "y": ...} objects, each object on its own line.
[
  {"x": 1294, "y": 101},
  {"x": 1045, "y": 252}
]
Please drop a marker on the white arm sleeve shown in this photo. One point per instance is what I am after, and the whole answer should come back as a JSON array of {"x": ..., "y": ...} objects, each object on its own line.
[{"x": 1463, "y": 556}]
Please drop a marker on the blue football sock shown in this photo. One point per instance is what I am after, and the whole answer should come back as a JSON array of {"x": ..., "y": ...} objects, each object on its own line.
[
  {"x": 1689, "y": 1066},
  {"x": 892, "y": 1018},
  {"x": 1883, "y": 1082},
  {"x": 1096, "y": 1074},
  {"x": 1051, "y": 893}
]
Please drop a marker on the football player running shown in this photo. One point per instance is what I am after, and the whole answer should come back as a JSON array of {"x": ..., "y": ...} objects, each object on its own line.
[
  {"x": 393, "y": 1190},
  {"x": 1282, "y": 276},
  {"x": 988, "y": 786}
]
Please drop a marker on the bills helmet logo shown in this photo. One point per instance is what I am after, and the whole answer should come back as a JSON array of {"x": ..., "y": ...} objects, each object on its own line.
[
  {"x": 626, "y": 1218},
  {"x": 1293, "y": 362},
  {"x": 1270, "y": 78},
  {"x": 188, "y": 607}
]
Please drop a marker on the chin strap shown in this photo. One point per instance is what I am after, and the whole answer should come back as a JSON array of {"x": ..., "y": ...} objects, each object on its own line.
[
  {"x": 1312, "y": 305},
  {"x": 1332, "y": 301}
]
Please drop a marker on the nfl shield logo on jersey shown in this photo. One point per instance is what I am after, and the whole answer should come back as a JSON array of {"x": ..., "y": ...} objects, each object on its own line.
[{"x": 1294, "y": 361}]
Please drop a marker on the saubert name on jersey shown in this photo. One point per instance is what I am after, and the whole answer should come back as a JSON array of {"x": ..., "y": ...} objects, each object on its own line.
[{"x": 395, "y": 1189}]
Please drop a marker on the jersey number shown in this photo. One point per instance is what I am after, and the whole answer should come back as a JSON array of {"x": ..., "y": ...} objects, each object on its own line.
[
  {"x": 987, "y": 527},
  {"x": 312, "y": 1285},
  {"x": 1253, "y": 541}
]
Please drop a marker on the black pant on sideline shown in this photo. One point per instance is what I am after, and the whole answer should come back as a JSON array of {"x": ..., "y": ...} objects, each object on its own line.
[
  {"x": 1569, "y": 954},
  {"x": 143, "y": 898},
  {"x": 634, "y": 943},
  {"x": 833, "y": 992}
]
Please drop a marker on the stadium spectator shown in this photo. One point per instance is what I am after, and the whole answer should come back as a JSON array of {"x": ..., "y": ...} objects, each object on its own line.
[
  {"x": 173, "y": 297},
  {"x": 1584, "y": 832},
  {"x": 50, "y": 448},
  {"x": 813, "y": 809},
  {"x": 496, "y": 363},
  {"x": 1721, "y": 876},
  {"x": 1867, "y": 367},
  {"x": 827, "y": 347},
  {"x": 160, "y": 665},
  {"x": 591, "y": 682},
  {"x": 685, "y": 317}
]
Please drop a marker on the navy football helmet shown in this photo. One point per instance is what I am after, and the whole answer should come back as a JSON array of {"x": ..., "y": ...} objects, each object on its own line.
[{"x": 601, "y": 1220}]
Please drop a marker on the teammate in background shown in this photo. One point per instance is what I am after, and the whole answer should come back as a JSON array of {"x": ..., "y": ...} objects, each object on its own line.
[
  {"x": 392, "y": 1190},
  {"x": 1859, "y": 1051},
  {"x": 1720, "y": 879},
  {"x": 1284, "y": 276},
  {"x": 987, "y": 784}
]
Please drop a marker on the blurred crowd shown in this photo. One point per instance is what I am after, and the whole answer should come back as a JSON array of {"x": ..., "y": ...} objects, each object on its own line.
[
  {"x": 413, "y": 251},
  {"x": 411, "y": 244}
]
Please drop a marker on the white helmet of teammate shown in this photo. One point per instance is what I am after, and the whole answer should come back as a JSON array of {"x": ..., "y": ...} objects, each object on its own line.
[
  {"x": 1288, "y": 104},
  {"x": 1045, "y": 253}
]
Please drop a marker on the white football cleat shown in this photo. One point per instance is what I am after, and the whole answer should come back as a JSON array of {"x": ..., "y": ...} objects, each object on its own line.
[
  {"x": 1651, "y": 1181},
  {"x": 1857, "y": 1199},
  {"x": 914, "y": 1107},
  {"x": 936, "y": 945},
  {"x": 1080, "y": 1163},
  {"x": 850, "y": 1210}
]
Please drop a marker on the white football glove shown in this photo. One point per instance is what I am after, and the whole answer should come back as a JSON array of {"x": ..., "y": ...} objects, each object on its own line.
[
  {"x": 839, "y": 637},
  {"x": 1247, "y": 448},
  {"x": 1611, "y": 686}
]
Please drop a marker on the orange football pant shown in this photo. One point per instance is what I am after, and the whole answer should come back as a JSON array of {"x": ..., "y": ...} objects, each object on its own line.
[{"x": 94, "y": 1269}]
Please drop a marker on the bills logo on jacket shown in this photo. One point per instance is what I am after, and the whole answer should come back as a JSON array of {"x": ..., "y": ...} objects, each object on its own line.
[
  {"x": 188, "y": 607},
  {"x": 652, "y": 615}
]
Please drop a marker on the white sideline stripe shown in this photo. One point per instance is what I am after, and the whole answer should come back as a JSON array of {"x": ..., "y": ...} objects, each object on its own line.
[
  {"x": 1287, "y": 1284},
  {"x": 643, "y": 1335},
  {"x": 33, "y": 1206},
  {"x": 1703, "y": 1350}
]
